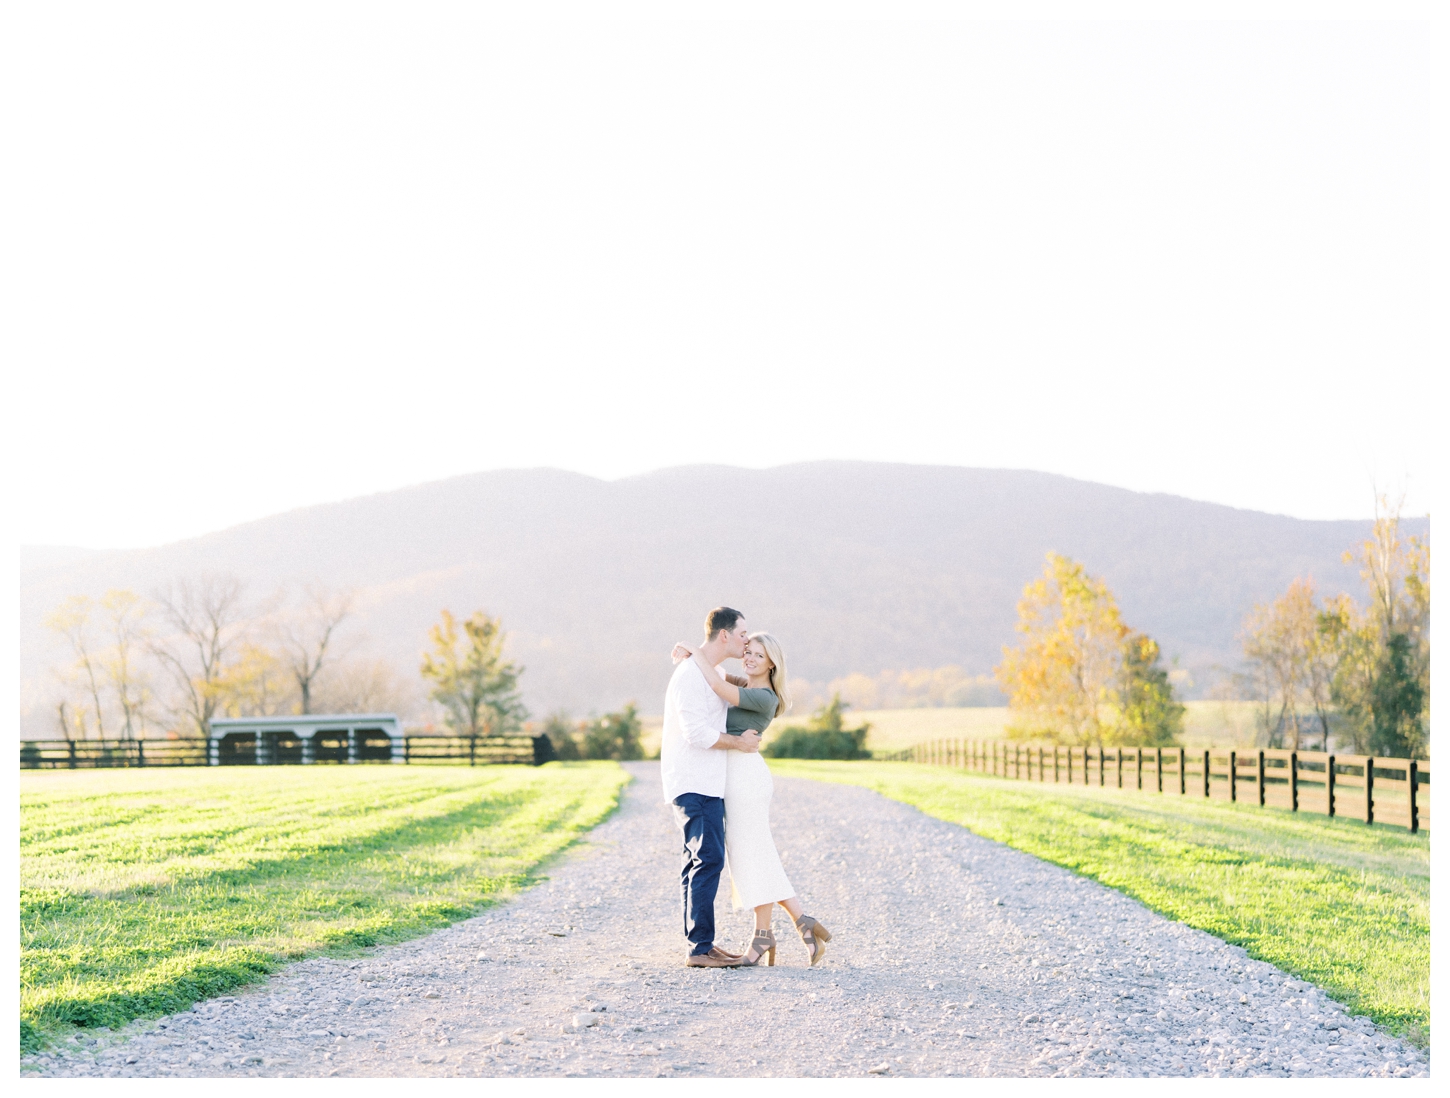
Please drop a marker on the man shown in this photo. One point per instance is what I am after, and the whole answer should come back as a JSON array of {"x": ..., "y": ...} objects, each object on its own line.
[{"x": 692, "y": 765}]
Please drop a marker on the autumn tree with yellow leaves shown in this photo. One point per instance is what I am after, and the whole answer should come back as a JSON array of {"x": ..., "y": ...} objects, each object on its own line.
[
  {"x": 1080, "y": 675},
  {"x": 473, "y": 683}
]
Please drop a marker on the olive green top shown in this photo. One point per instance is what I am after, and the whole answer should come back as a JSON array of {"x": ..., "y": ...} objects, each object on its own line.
[{"x": 755, "y": 711}]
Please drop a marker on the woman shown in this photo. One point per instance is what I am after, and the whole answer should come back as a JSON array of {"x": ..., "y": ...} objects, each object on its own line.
[{"x": 757, "y": 878}]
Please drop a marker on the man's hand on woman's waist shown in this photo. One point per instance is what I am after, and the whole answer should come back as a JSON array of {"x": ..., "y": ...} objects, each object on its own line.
[{"x": 748, "y": 742}]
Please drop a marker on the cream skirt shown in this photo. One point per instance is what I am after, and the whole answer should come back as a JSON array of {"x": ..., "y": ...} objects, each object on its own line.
[{"x": 756, "y": 875}]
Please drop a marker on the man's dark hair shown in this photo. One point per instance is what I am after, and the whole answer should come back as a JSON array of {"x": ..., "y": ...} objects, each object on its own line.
[{"x": 722, "y": 617}]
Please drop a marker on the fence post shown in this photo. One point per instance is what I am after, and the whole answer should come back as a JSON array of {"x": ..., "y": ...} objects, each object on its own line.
[
  {"x": 72, "y": 745},
  {"x": 1041, "y": 773},
  {"x": 1329, "y": 785},
  {"x": 1261, "y": 778},
  {"x": 1139, "y": 752},
  {"x": 1055, "y": 777},
  {"x": 1369, "y": 790},
  {"x": 1160, "y": 770},
  {"x": 1293, "y": 781},
  {"x": 1017, "y": 763},
  {"x": 1233, "y": 775},
  {"x": 140, "y": 752},
  {"x": 1182, "y": 772},
  {"x": 1205, "y": 773},
  {"x": 1102, "y": 767},
  {"x": 1414, "y": 777},
  {"x": 472, "y": 750}
]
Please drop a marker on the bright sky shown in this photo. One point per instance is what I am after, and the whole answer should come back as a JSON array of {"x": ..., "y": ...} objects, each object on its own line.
[{"x": 265, "y": 265}]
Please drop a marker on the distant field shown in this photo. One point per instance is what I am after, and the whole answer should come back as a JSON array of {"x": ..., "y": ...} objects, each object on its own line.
[
  {"x": 1331, "y": 901},
  {"x": 142, "y": 891},
  {"x": 1206, "y": 724}
]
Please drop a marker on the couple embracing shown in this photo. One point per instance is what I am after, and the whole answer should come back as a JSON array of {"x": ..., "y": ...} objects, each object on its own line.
[{"x": 720, "y": 787}]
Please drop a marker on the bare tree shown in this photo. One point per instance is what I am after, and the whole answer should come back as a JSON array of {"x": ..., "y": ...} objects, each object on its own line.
[
  {"x": 205, "y": 617},
  {"x": 65, "y": 727},
  {"x": 308, "y": 636},
  {"x": 72, "y": 619},
  {"x": 127, "y": 613},
  {"x": 1281, "y": 643},
  {"x": 366, "y": 686}
]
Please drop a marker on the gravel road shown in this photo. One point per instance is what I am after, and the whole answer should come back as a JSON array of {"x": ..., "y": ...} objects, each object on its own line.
[{"x": 952, "y": 955}]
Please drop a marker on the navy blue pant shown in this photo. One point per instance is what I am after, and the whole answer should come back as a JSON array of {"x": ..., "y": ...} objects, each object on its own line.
[{"x": 702, "y": 819}]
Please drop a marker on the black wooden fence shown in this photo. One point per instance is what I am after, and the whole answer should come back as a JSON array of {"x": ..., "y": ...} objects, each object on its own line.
[
  {"x": 1363, "y": 787},
  {"x": 418, "y": 750}
]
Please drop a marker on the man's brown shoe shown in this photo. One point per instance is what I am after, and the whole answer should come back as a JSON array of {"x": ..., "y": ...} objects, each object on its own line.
[{"x": 716, "y": 958}]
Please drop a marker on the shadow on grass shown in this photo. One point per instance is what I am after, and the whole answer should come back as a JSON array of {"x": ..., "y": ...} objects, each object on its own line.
[{"x": 181, "y": 943}]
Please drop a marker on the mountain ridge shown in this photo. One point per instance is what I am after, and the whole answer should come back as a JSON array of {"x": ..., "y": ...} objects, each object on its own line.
[{"x": 857, "y": 566}]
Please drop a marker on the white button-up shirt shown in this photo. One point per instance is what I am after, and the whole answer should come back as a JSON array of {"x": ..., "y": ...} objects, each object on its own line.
[{"x": 694, "y": 721}]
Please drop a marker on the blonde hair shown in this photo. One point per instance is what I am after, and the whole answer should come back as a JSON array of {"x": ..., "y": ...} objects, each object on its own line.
[{"x": 776, "y": 655}]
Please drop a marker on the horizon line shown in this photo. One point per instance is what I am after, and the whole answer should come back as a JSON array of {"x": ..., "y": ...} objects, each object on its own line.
[{"x": 24, "y": 545}]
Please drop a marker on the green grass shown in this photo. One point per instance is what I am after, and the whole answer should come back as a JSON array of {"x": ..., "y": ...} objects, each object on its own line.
[
  {"x": 143, "y": 891},
  {"x": 1330, "y": 901}
]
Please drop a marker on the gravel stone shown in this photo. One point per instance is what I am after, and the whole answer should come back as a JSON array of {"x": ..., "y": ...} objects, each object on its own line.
[{"x": 952, "y": 956}]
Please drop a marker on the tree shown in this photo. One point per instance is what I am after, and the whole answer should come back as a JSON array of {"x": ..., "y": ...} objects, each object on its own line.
[
  {"x": 1292, "y": 663},
  {"x": 474, "y": 684},
  {"x": 1151, "y": 717},
  {"x": 614, "y": 736},
  {"x": 1062, "y": 680},
  {"x": 205, "y": 616},
  {"x": 254, "y": 683},
  {"x": 825, "y": 736},
  {"x": 358, "y": 685},
  {"x": 72, "y": 619},
  {"x": 127, "y": 613},
  {"x": 1381, "y": 683},
  {"x": 307, "y": 635},
  {"x": 564, "y": 735}
]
